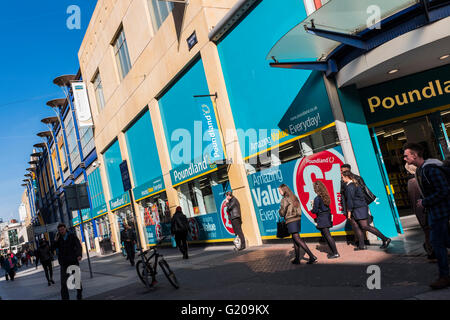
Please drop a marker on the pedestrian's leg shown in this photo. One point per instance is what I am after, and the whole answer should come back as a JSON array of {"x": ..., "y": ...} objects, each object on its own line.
[
  {"x": 359, "y": 235},
  {"x": 50, "y": 271},
  {"x": 45, "y": 266},
  {"x": 439, "y": 235},
  {"x": 64, "y": 289},
  {"x": 331, "y": 243},
  {"x": 12, "y": 274},
  {"x": 301, "y": 243},
  {"x": 6, "y": 276},
  {"x": 237, "y": 227},
  {"x": 185, "y": 246},
  {"x": 179, "y": 243},
  {"x": 296, "y": 252},
  {"x": 132, "y": 253},
  {"x": 366, "y": 227}
]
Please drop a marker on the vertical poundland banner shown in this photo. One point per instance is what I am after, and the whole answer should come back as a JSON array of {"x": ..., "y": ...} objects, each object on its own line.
[
  {"x": 299, "y": 175},
  {"x": 81, "y": 102},
  {"x": 210, "y": 130}
]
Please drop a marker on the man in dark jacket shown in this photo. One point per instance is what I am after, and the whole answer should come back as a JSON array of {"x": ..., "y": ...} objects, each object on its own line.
[
  {"x": 69, "y": 254},
  {"x": 435, "y": 190},
  {"x": 128, "y": 237},
  {"x": 234, "y": 213},
  {"x": 179, "y": 227},
  {"x": 44, "y": 254}
]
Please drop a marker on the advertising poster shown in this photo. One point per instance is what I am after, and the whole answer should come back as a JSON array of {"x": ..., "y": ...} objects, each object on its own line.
[{"x": 299, "y": 176}]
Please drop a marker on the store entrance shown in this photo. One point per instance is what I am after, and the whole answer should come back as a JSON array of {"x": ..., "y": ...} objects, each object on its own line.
[{"x": 430, "y": 130}]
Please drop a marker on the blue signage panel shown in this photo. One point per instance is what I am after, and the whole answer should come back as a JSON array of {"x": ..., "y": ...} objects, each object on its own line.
[
  {"x": 214, "y": 151},
  {"x": 149, "y": 188},
  {"x": 185, "y": 173},
  {"x": 125, "y": 176},
  {"x": 119, "y": 202}
]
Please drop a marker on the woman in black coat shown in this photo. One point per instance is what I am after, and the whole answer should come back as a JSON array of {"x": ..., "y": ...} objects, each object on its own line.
[
  {"x": 358, "y": 210},
  {"x": 321, "y": 207},
  {"x": 180, "y": 228},
  {"x": 44, "y": 254}
]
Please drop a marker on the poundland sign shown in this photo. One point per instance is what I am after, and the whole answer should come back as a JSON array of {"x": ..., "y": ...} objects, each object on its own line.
[
  {"x": 408, "y": 95},
  {"x": 189, "y": 172}
]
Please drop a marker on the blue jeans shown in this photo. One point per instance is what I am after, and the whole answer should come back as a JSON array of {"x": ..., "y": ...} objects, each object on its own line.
[{"x": 440, "y": 240}]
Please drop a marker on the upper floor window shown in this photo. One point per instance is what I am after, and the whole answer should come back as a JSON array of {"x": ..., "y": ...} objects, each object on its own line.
[
  {"x": 98, "y": 88},
  {"x": 159, "y": 11},
  {"x": 121, "y": 53}
]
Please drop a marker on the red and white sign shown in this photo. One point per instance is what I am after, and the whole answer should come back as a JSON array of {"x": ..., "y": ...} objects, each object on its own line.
[
  {"x": 194, "y": 230},
  {"x": 326, "y": 167},
  {"x": 225, "y": 218}
]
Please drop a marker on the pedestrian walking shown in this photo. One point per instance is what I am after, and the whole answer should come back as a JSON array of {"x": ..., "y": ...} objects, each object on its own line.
[
  {"x": 358, "y": 210},
  {"x": 70, "y": 253},
  {"x": 128, "y": 237},
  {"x": 290, "y": 210},
  {"x": 2, "y": 265},
  {"x": 234, "y": 214},
  {"x": 368, "y": 195},
  {"x": 432, "y": 178},
  {"x": 421, "y": 214},
  {"x": 44, "y": 254},
  {"x": 179, "y": 228},
  {"x": 10, "y": 265},
  {"x": 321, "y": 207}
]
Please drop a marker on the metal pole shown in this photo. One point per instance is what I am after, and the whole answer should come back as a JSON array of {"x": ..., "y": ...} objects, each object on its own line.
[
  {"x": 135, "y": 221},
  {"x": 82, "y": 226}
]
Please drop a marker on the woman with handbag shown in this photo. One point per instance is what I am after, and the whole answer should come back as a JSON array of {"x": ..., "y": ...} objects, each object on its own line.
[
  {"x": 358, "y": 210},
  {"x": 321, "y": 207},
  {"x": 291, "y": 211}
]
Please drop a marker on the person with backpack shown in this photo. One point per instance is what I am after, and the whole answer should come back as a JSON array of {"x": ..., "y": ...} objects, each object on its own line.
[
  {"x": 179, "y": 228},
  {"x": 291, "y": 211},
  {"x": 433, "y": 178},
  {"x": 321, "y": 207},
  {"x": 358, "y": 210},
  {"x": 368, "y": 196}
]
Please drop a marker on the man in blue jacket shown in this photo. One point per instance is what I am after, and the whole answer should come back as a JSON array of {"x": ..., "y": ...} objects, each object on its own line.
[{"x": 435, "y": 190}]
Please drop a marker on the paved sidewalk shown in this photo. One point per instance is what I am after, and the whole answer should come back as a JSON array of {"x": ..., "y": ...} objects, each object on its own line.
[{"x": 264, "y": 272}]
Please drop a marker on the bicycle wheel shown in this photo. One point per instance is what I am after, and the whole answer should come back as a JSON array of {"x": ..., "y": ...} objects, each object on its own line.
[
  {"x": 169, "y": 273},
  {"x": 145, "y": 274}
]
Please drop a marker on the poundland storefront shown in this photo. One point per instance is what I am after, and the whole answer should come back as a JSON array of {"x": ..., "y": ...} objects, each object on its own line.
[{"x": 415, "y": 108}]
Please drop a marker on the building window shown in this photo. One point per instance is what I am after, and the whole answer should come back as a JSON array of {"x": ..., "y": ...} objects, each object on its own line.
[
  {"x": 72, "y": 141},
  {"x": 98, "y": 88},
  {"x": 121, "y": 53},
  {"x": 159, "y": 11}
]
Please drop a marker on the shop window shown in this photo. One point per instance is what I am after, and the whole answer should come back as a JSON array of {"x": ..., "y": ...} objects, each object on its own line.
[
  {"x": 314, "y": 143},
  {"x": 197, "y": 198}
]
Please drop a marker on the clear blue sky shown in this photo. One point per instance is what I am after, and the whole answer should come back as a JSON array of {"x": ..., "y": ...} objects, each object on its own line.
[{"x": 36, "y": 47}]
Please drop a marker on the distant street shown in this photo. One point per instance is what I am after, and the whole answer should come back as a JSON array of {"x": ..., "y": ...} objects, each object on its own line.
[{"x": 265, "y": 272}]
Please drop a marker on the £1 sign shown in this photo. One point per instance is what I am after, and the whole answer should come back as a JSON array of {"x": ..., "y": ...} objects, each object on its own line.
[{"x": 326, "y": 167}]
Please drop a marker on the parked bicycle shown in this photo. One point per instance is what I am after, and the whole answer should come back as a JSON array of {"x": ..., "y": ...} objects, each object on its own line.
[{"x": 147, "y": 269}]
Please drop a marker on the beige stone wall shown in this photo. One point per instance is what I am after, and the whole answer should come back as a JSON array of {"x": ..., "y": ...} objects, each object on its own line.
[{"x": 157, "y": 58}]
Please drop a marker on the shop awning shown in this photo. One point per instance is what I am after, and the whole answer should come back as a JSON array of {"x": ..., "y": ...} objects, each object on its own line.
[{"x": 335, "y": 23}]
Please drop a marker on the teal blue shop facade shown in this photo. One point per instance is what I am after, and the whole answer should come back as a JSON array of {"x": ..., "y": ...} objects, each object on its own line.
[
  {"x": 199, "y": 176},
  {"x": 375, "y": 113}
]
